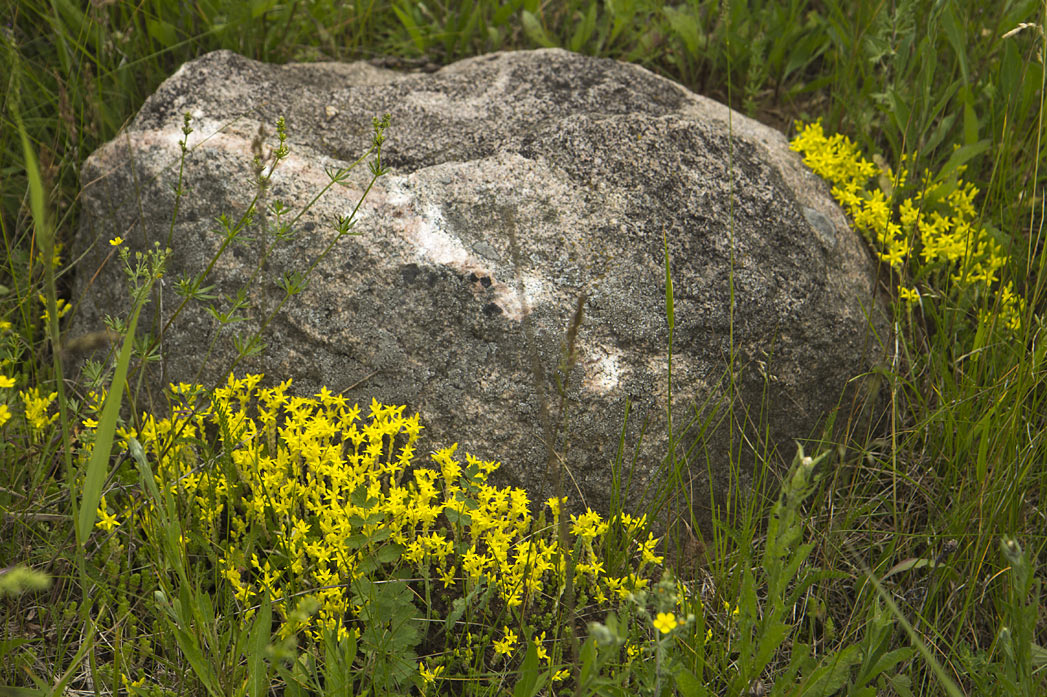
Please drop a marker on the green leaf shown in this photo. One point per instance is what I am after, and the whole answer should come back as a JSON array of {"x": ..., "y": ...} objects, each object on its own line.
[
  {"x": 503, "y": 14},
  {"x": 908, "y": 565},
  {"x": 1039, "y": 655},
  {"x": 6, "y": 691},
  {"x": 261, "y": 633},
  {"x": 529, "y": 682},
  {"x": 460, "y": 605},
  {"x": 389, "y": 553},
  {"x": 962, "y": 155},
  {"x": 412, "y": 28},
  {"x": 97, "y": 466},
  {"x": 588, "y": 658},
  {"x": 190, "y": 646},
  {"x": 770, "y": 641},
  {"x": 584, "y": 31},
  {"x": 888, "y": 661},
  {"x": 37, "y": 206},
  {"x": 161, "y": 32},
  {"x": 260, "y": 7},
  {"x": 684, "y": 26},
  {"x": 688, "y": 685},
  {"x": 955, "y": 33},
  {"x": 533, "y": 28},
  {"x": 834, "y": 673}
]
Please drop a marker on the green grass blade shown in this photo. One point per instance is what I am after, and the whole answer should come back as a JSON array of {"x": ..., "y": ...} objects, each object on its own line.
[
  {"x": 669, "y": 314},
  {"x": 96, "y": 467},
  {"x": 44, "y": 234}
]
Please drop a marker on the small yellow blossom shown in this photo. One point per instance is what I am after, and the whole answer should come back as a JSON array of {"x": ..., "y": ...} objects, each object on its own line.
[
  {"x": 588, "y": 525},
  {"x": 539, "y": 645},
  {"x": 116, "y": 241},
  {"x": 5, "y": 414},
  {"x": 665, "y": 622},
  {"x": 429, "y": 676},
  {"x": 6, "y": 381},
  {"x": 128, "y": 683},
  {"x": 61, "y": 305},
  {"x": 561, "y": 675},
  {"x": 505, "y": 645},
  {"x": 106, "y": 521},
  {"x": 909, "y": 295}
]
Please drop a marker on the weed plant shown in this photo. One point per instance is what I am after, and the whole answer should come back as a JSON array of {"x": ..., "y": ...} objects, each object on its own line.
[{"x": 244, "y": 541}]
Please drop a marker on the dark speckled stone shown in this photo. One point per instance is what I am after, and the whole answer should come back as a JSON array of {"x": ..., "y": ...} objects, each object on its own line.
[{"x": 589, "y": 162}]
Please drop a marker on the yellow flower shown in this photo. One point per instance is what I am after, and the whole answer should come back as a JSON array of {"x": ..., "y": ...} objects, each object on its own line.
[
  {"x": 505, "y": 646},
  {"x": 6, "y": 381},
  {"x": 665, "y": 622},
  {"x": 429, "y": 676},
  {"x": 61, "y": 305},
  {"x": 5, "y": 414},
  {"x": 908, "y": 294},
  {"x": 539, "y": 642},
  {"x": 588, "y": 525},
  {"x": 561, "y": 675},
  {"x": 36, "y": 408},
  {"x": 116, "y": 241},
  {"x": 106, "y": 521}
]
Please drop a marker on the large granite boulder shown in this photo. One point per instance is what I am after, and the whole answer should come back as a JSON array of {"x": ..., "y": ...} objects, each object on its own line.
[{"x": 583, "y": 165}]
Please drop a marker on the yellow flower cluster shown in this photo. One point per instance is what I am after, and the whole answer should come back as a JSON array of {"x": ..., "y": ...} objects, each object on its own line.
[
  {"x": 62, "y": 305},
  {"x": 937, "y": 224},
  {"x": 335, "y": 497},
  {"x": 36, "y": 408}
]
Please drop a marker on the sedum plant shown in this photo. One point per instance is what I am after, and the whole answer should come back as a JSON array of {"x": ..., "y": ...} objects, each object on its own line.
[
  {"x": 930, "y": 239},
  {"x": 304, "y": 506}
]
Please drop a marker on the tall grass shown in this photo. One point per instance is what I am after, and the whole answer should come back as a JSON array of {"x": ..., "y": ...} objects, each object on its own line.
[{"x": 913, "y": 567}]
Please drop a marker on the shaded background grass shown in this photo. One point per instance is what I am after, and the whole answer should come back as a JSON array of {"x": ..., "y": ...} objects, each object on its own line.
[{"x": 964, "y": 459}]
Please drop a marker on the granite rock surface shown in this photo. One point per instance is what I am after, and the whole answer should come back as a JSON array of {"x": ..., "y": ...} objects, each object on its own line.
[{"x": 520, "y": 187}]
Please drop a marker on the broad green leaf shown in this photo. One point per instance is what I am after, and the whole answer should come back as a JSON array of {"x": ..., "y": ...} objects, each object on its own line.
[
  {"x": 97, "y": 466},
  {"x": 688, "y": 685},
  {"x": 584, "y": 30},
  {"x": 261, "y": 633},
  {"x": 164, "y": 33},
  {"x": 528, "y": 683},
  {"x": 834, "y": 673},
  {"x": 412, "y": 29},
  {"x": 533, "y": 28}
]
